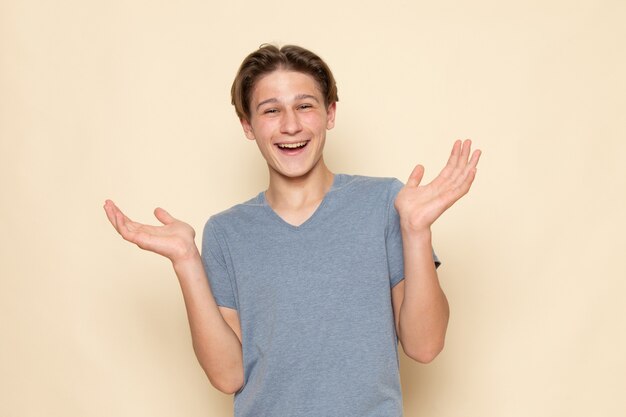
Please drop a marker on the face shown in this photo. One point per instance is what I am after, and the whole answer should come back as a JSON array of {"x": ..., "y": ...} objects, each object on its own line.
[{"x": 288, "y": 121}]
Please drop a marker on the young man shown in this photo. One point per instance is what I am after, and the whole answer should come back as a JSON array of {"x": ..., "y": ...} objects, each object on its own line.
[{"x": 314, "y": 281}]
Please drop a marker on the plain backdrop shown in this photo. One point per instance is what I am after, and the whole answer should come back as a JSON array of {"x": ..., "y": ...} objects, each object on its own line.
[{"x": 129, "y": 100}]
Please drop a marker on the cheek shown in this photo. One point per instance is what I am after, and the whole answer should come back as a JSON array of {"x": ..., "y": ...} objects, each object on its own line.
[{"x": 314, "y": 121}]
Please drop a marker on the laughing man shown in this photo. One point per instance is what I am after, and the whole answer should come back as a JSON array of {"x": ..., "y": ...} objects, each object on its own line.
[{"x": 300, "y": 295}]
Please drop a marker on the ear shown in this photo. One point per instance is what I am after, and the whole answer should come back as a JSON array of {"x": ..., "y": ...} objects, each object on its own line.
[
  {"x": 247, "y": 129},
  {"x": 330, "y": 115}
]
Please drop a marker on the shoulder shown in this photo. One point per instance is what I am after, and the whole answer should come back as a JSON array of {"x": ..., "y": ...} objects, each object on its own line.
[
  {"x": 373, "y": 186},
  {"x": 237, "y": 214}
]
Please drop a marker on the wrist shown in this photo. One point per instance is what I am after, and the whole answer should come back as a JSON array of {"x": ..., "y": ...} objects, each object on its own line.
[
  {"x": 190, "y": 258},
  {"x": 416, "y": 234}
]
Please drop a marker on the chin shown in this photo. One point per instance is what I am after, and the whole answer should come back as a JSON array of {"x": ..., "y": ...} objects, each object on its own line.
[
  {"x": 297, "y": 170},
  {"x": 294, "y": 174}
]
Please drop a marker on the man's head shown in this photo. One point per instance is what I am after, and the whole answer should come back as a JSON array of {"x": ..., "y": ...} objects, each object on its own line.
[{"x": 269, "y": 58}]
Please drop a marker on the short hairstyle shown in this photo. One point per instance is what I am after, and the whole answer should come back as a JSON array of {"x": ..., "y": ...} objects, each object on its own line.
[{"x": 269, "y": 58}]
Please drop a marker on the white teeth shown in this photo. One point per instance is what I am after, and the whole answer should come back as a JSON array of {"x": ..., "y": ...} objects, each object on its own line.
[{"x": 291, "y": 145}]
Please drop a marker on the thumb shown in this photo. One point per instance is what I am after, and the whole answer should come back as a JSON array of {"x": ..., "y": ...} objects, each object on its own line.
[
  {"x": 163, "y": 216},
  {"x": 416, "y": 176}
]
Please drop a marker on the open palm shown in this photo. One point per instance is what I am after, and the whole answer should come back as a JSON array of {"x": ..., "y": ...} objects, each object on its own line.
[
  {"x": 174, "y": 239},
  {"x": 420, "y": 205}
]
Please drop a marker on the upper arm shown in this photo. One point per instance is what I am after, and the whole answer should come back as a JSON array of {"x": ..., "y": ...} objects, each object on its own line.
[
  {"x": 231, "y": 317},
  {"x": 397, "y": 297}
]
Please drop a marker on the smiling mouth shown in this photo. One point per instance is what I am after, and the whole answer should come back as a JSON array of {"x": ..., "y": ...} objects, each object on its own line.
[{"x": 292, "y": 146}]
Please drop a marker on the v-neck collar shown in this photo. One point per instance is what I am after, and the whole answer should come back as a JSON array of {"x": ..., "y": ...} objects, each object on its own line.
[{"x": 312, "y": 218}]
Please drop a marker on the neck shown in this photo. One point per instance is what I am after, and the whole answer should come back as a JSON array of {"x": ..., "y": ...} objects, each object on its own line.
[{"x": 298, "y": 197}]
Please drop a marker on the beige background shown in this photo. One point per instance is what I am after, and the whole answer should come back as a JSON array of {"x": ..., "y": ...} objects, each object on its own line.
[{"x": 129, "y": 100}]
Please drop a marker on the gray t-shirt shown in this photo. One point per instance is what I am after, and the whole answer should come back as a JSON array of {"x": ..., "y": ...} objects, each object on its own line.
[{"x": 314, "y": 301}]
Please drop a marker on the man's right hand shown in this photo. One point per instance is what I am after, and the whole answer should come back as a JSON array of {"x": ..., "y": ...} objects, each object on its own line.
[
  {"x": 215, "y": 330},
  {"x": 174, "y": 240}
]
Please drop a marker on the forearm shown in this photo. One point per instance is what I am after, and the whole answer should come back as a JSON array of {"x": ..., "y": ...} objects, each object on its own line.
[
  {"x": 216, "y": 345},
  {"x": 424, "y": 313}
]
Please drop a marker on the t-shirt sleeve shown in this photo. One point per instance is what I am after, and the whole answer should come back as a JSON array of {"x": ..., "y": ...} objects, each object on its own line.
[
  {"x": 215, "y": 266},
  {"x": 393, "y": 238}
]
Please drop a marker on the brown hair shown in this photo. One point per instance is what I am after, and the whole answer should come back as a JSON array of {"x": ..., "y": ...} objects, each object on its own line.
[{"x": 269, "y": 58}]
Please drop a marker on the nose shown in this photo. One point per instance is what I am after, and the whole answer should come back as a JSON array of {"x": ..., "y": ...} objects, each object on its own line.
[{"x": 290, "y": 123}]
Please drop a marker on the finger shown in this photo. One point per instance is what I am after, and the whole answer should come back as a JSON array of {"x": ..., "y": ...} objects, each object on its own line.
[
  {"x": 460, "y": 180},
  {"x": 448, "y": 169},
  {"x": 121, "y": 225},
  {"x": 108, "y": 210},
  {"x": 462, "y": 159},
  {"x": 469, "y": 166},
  {"x": 475, "y": 158},
  {"x": 469, "y": 173},
  {"x": 416, "y": 176},
  {"x": 467, "y": 182},
  {"x": 163, "y": 216},
  {"x": 465, "y": 152},
  {"x": 112, "y": 212},
  {"x": 459, "y": 172}
]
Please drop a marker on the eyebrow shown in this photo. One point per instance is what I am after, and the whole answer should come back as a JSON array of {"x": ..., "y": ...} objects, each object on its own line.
[{"x": 298, "y": 97}]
